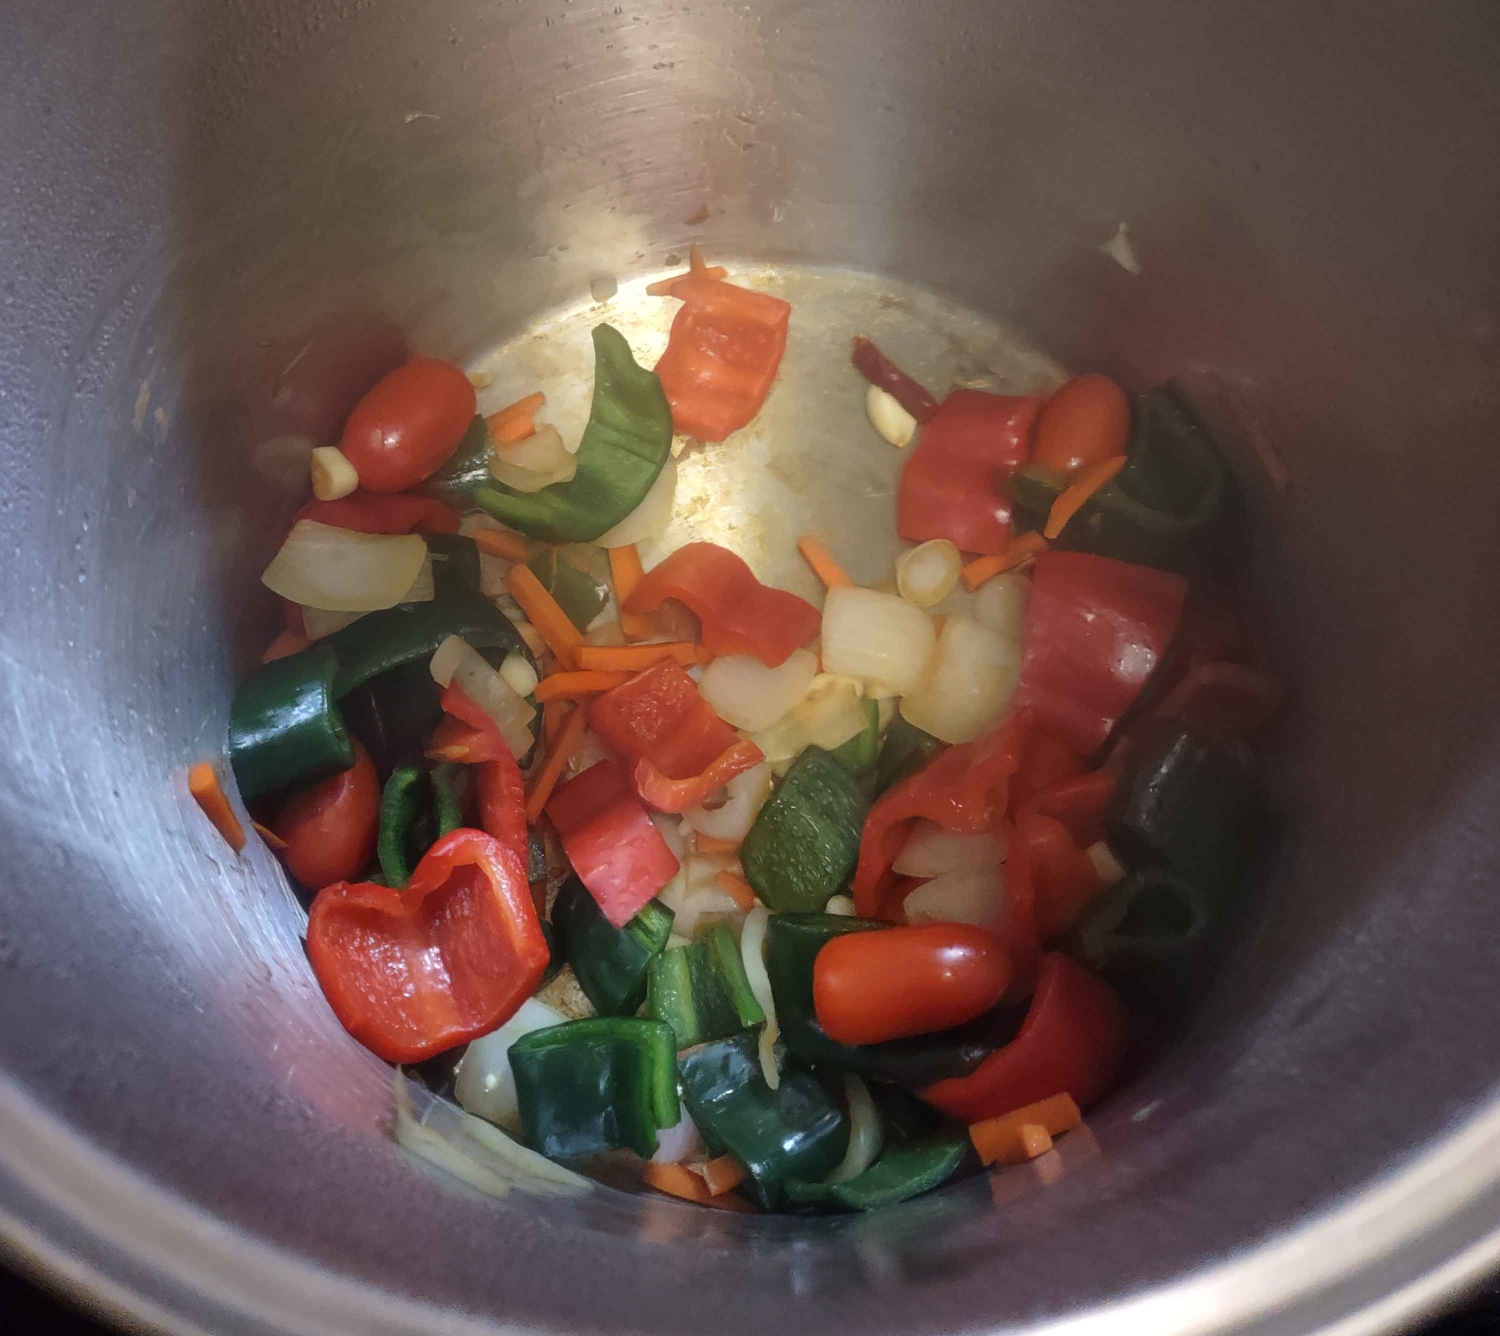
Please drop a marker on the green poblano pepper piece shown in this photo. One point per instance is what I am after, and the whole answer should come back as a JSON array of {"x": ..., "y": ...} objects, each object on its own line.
[
  {"x": 701, "y": 989},
  {"x": 904, "y": 1170},
  {"x": 577, "y": 594},
  {"x": 623, "y": 449},
  {"x": 611, "y": 963},
  {"x": 284, "y": 731},
  {"x": 905, "y": 750},
  {"x": 405, "y": 794},
  {"x": 455, "y": 562}
]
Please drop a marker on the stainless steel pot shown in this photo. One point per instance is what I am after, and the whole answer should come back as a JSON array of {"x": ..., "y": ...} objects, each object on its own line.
[{"x": 218, "y": 219}]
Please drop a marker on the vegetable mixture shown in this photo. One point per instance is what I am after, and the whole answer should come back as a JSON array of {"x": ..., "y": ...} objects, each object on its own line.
[{"x": 799, "y": 908}]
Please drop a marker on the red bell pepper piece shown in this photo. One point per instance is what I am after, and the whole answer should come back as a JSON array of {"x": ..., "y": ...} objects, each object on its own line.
[
  {"x": 502, "y": 795},
  {"x": 1095, "y": 630},
  {"x": 1223, "y": 703},
  {"x": 739, "y": 614},
  {"x": 1044, "y": 762},
  {"x": 1072, "y": 1041},
  {"x": 677, "y": 795},
  {"x": 952, "y": 486},
  {"x": 962, "y": 789},
  {"x": 723, "y": 353},
  {"x": 374, "y": 512},
  {"x": 413, "y": 972},
  {"x": 1080, "y": 803},
  {"x": 611, "y": 841},
  {"x": 883, "y": 373}
]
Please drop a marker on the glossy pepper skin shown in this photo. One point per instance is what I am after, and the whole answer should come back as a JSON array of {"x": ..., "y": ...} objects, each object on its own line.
[
  {"x": 952, "y": 486},
  {"x": 1095, "y": 631},
  {"x": 795, "y": 1131},
  {"x": 611, "y": 963},
  {"x": 739, "y": 614},
  {"x": 678, "y": 750},
  {"x": 804, "y": 843},
  {"x": 904, "y": 750},
  {"x": 722, "y": 356},
  {"x": 595, "y": 1085},
  {"x": 793, "y": 942},
  {"x": 284, "y": 730},
  {"x": 964, "y": 789},
  {"x": 408, "y": 424},
  {"x": 413, "y": 972},
  {"x": 501, "y": 794},
  {"x": 400, "y": 809},
  {"x": 1073, "y": 1040},
  {"x": 624, "y": 447},
  {"x": 905, "y": 1169},
  {"x": 611, "y": 841},
  {"x": 883, "y": 373},
  {"x": 701, "y": 989},
  {"x": 1163, "y": 508}
]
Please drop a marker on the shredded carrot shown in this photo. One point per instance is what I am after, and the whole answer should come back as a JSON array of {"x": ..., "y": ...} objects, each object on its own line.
[
  {"x": 633, "y": 658},
  {"x": 821, "y": 560},
  {"x": 522, "y": 408},
  {"x": 680, "y": 1182},
  {"x": 575, "y": 686},
  {"x": 551, "y": 622},
  {"x": 724, "y": 1174},
  {"x": 203, "y": 784},
  {"x": 1025, "y": 1133},
  {"x": 707, "y": 844},
  {"x": 553, "y": 714},
  {"x": 513, "y": 430},
  {"x": 288, "y": 642},
  {"x": 737, "y": 888},
  {"x": 500, "y": 543},
  {"x": 625, "y": 570},
  {"x": 696, "y": 269},
  {"x": 1072, "y": 497},
  {"x": 1019, "y": 550},
  {"x": 557, "y": 760},
  {"x": 274, "y": 842}
]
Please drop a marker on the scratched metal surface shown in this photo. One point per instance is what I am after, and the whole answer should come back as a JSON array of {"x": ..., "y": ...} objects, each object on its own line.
[{"x": 220, "y": 220}]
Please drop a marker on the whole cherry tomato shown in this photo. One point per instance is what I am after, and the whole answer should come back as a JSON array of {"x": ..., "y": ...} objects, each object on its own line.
[
  {"x": 330, "y": 827},
  {"x": 891, "y": 982},
  {"x": 1086, "y": 421},
  {"x": 408, "y": 425}
]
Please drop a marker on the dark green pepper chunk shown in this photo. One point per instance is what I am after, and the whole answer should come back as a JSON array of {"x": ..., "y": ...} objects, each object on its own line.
[
  {"x": 467, "y": 469},
  {"x": 399, "y": 805},
  {"x": 906, "y": 750},
  {"x": 805, "y": 842},
  {"x": 797, "y": 1130},
  {"x": 792, "y": 944},
  {"x": 1195, "y": 808},
  {"x": 455, "y": 562},
  {"x": 701, "y": 990},
  {"x": 623, "y": 449},
  {"x": 1149, "y": 936},
  {"x": 447, "y": 782},
  {"x": 1163, "y": 507},
  {"x": 594, "y": 1085},
  {"x": 577, "y": 594},
  {"x": 903, "y": 1170},
  {"x": 611, "y": 963},
  {"x": 284, "y": 731},
  {"x": 859, "y": 754}
]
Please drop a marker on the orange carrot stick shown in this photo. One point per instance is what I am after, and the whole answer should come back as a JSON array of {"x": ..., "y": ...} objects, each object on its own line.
[
  {"x": 542, "y": 611},
  {"x": 553, "y": 714},
  {"x": 737, "y": 888},
  {"x": 821, "y": 560},
  {"x": 724, "y": 1174},
  {"x": 633, "y": 658},
  {"x": 203, "y": 784},
  {"x": 679, "y": 1182},
  {"x": 288, "y": 642},
  {"x": 513, "y": 429},
  {"x": 1072, "y": 497},
  {"x": 626, "y": 571},
  {"x": 696, "y": 269},
  {"x": 274, "y": 842},
  {"x": 500, "y": 543},
  {"x": 1023, "y": 1134},
  {"x": 707, "y": 844},
  {"x": 1018, "y": 551},
  {"x": 552, "y": 768},
  {"x": 575, "y": 686},
  {"x": 522, "y": 408}
]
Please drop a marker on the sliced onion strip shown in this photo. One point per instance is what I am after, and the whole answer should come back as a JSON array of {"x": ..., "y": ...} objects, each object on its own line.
[
  {"x": 455, "y": 660},
  {"x": 339, "y": 570},
  {"x": 747, "y": 694},
  {"x": 866, "y": 1132},
  {"x": 753, "y": 956}
]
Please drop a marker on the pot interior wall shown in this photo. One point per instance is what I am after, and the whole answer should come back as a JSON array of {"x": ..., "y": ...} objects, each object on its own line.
[{"x": 227, "y": 218}]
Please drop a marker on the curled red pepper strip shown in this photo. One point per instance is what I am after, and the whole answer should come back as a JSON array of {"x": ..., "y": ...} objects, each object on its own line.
[
  {"x": 963, "y": 789},
  {"x": 1073, "y": 1040},
  {"x": 1080, "y": 803},
  {"x": 454, "y": 740},
  {"x": 677, "y": 795},
  {"x": 502, "y": 796},
  {"x": 739, "y": 614},
  {"x": 372, "y": 512},
  {"x": 410, "y": 973},
  {"x": 883, "y": 373}
]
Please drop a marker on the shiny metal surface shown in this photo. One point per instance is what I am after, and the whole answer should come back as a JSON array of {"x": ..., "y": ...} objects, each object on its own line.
[{"x": 219, "y": 219}]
